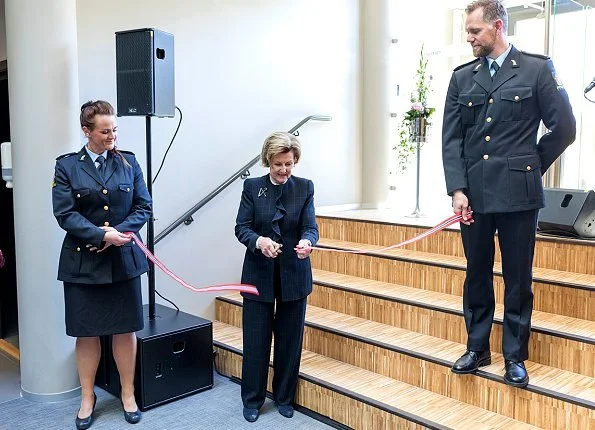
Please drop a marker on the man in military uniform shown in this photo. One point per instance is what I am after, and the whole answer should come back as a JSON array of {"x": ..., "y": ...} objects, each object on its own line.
[{"x": 493, "y": 163}]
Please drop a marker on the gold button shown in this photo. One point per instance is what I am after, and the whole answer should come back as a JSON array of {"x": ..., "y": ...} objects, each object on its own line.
[
  {"x": 106, "y": 224},
  {"x": 104, "y": 191},
  {"x": 528, "y": 167},
  {"x": 489, "y": 119},
  {"x": 470, "y": 104},
  {"x": 78, "y": 249},
  {"x": 488, "y": 138},
  {"x": 105, "y": 208},
  {"x": 485, "y": 157},
  {"x": 490, "y": 101},
  {"x": 516, "y": 98},
  {"x": 78, "y": 196}
]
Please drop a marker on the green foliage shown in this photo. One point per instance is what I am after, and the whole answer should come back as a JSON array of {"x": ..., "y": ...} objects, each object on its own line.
[{"x": 407, "y": 143}]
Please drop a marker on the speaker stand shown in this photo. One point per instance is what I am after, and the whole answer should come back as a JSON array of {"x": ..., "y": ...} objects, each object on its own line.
[{"x": 174, "y": 349}]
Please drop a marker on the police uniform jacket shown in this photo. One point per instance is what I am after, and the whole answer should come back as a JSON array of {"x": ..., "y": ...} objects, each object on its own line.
[
  {"x": 83, "y": 202},
  {"x": 489, "y": 137},
  {"x": 284, "y": 213}
]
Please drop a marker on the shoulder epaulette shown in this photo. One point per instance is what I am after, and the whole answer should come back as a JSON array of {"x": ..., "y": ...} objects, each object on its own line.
[
  {"x": 530, "y": 54},
  {"x": 466, "y": 64},
  {"x": 66, "y": 155}
]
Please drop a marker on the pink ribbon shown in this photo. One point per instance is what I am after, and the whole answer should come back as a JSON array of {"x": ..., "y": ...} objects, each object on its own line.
[
  {"x": 441, "y": 226},
  {"x": 244, "y": 288}
]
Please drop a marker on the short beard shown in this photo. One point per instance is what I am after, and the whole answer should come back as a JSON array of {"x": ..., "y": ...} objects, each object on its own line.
[
  {"x": 482, "y": 51},
  {"x": 486, "y": 50}
]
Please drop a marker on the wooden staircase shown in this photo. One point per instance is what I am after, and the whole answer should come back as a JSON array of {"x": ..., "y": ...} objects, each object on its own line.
[{"x": 383, "y": 329}]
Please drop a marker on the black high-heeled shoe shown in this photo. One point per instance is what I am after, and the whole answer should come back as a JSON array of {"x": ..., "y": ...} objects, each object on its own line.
[
  {"x": 131, "y": 417},
  {"x": 85, "y": 423}
]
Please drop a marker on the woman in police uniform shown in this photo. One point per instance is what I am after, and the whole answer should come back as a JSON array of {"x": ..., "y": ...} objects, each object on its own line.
[{"x": 99, "y": 195}]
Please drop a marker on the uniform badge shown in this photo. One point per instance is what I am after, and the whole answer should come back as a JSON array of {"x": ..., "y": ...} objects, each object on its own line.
[
  {"x": 514, "y": 64},
  {"x": 262, "y": 192}
]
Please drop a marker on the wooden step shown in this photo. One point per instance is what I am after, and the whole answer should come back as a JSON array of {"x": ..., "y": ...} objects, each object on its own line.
[
  {"x": 556, "y": 292},
  {"x": 562, "y": 254},
  {"x": 366, "y": 399},
  {"x": 9, "y": 350},
  {"x": 425, "y": 361},
  {"x": 560, "y": 342}
]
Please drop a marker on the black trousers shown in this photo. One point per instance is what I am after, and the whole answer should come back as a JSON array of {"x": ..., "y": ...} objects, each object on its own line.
[
  {"x": 259, "y": 321},
  {"x": 516, "y": 235}
]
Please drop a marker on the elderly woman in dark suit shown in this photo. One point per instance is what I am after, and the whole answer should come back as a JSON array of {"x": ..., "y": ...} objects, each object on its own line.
[
  {"x": 98, "y": 195},
  {"x": 276, "y": 223}
]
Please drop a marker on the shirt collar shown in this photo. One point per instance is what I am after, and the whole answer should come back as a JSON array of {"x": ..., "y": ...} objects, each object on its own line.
[
  {"x": 275, "y": 182},
  {"x": 501, "y": 58},
  {"x": 93, "y": 155}
]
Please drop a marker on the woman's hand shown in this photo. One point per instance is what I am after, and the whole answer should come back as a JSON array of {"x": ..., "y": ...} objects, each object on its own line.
[
  {"x": 269, "y": 248},
  {"x": 303, "y": 249},
  {"x": 111, "y": 237}
]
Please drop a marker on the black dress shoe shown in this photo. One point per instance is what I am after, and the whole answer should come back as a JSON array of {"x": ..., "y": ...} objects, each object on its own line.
[
  {"x": 470, "y": 361},
  {"x": 516, "y": 374},
  {"x": 85, "y": 423},
  {"x": 131, "y": 417},
  {"x": 286, "y": 410},
  {"x": 250, "y": 414}
]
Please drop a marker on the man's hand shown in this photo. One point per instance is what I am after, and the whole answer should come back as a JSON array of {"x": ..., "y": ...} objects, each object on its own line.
[{"x": 460, "y": 205}]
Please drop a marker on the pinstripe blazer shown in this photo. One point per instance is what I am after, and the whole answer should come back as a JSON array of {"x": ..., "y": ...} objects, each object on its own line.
[{"x": 284, "y": 213}]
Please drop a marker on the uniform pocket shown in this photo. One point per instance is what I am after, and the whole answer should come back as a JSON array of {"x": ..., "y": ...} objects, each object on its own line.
[
  {"x": 524, "y": 173},
  {"x": 471, "y": 105},
  {"x": 515, "y": 103},
  {"x": 71, "y": 260},
  {"x": 126, "y": 188},
  {"x": 81, "y": 193}
]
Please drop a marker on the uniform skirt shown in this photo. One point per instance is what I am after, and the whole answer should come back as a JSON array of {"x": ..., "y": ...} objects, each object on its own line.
[{"x": 103, "y": 309}]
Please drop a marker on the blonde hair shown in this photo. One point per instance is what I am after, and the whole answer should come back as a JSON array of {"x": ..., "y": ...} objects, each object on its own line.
[
  {"x": 492, "y": 11},
  {"x": 280, "y": 143}
]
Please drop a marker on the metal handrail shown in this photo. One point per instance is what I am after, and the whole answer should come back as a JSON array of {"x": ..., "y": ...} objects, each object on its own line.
[{"x": 243, "y": 173}]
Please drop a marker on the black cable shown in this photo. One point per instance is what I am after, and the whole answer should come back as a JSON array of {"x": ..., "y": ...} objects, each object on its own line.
[
  {"x": 167, "y": 300},
  {"x": 169, "y": 146},
  {"x": 592, "y": 101}
]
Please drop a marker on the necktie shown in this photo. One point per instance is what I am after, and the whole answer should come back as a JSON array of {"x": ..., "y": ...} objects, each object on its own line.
[
  {"x": 101, "y": 167},
  {"x": 494, "y": 69}
]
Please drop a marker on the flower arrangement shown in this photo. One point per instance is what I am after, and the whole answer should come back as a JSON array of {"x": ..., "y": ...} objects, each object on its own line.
[{"x": 408, "y": 133}]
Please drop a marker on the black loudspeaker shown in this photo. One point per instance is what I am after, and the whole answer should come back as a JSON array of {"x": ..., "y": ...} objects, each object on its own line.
[
  {"x": 145, "y": 73},
  {"x": 174, "y": 358},
  {"x": 568, "y": 212}
]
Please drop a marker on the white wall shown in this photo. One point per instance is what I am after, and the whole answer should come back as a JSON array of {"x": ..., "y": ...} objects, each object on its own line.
[
  {"x": 244, "y": 68},
  {"x": 410, "y": 27}
]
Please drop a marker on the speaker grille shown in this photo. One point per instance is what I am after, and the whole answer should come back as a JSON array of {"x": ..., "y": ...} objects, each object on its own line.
[{"x": 134, "y": 72}]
